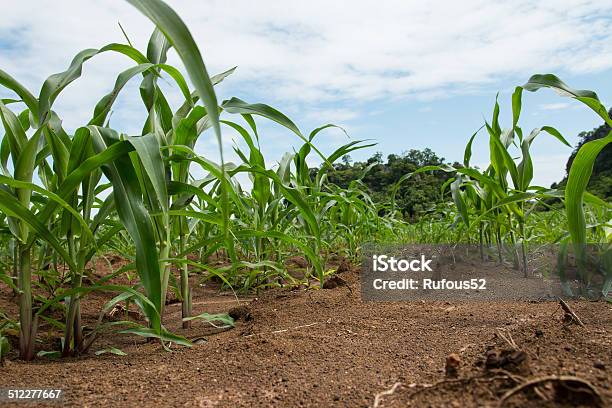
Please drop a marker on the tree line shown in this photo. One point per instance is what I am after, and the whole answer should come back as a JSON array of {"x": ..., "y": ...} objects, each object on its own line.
[{"x": 423, "y": 192}]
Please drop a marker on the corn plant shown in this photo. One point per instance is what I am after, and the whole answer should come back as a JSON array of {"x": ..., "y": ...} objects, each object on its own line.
[
  {"x": 62, "y": 218},
  {"x": 152, "y": 207},
  {"x": 500, "y": 200},
  {"x": 67, "y": 197},
  {"x": 579, "y": 175}
]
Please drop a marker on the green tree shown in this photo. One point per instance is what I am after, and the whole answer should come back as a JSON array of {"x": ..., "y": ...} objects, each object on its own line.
[
  {"x": 416, "y": 195},
  {"x": 600, "y": 183}
]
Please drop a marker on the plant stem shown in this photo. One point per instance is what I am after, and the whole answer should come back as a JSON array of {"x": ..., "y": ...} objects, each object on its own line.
[
  {"x": 185, "y": 290},
  {"x": 515, "y": 256},
  {"x": 524, "y": 248},
  {"x": 15, "y": 268},
  {"x": 481, "y": 243},
  {"x": 26, "y": 341},
  {"x": 164, "y": 267},
  {"x": 499, "y": 245}
]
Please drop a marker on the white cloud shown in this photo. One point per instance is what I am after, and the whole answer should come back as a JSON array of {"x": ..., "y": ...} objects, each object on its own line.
[
  {"x": 549, "y": 169},
  {"x": 336, "y": 115},
  {"x": 331, "y": 50},
  {"x": 555, "y": 106},
  {"x": 318, "y": 61}
]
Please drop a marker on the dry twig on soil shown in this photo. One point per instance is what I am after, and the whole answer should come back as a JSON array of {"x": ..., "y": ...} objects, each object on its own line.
[
  {"x": 508, "y": 339},
  {"x": 573, "y": 317},
  {"x": 563, "y": 379},
  {"x": 503, "y": 375},
  {"x": 378, "y": 398}
]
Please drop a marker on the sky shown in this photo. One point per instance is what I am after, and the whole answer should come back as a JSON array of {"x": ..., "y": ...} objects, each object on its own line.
[{"x": 405, "y": 74}]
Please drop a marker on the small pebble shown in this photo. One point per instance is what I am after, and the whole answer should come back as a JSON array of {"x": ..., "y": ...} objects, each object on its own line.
[{"x": 599, "y": 365}]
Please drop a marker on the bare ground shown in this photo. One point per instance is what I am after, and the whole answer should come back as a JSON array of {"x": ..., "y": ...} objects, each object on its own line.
[{"x": 317, "y": 348}]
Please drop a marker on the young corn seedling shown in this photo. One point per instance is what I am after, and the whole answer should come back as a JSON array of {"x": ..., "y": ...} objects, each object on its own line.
[{"x": 579, "y": 175}]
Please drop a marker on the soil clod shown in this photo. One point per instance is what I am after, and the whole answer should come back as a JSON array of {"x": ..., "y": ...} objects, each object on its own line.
[
  {"x": 515, "y": 361},
  {"x": 241, "y": 313},
  {"x": 453, "y": 362},
  {"x": 336, "y": 281}
]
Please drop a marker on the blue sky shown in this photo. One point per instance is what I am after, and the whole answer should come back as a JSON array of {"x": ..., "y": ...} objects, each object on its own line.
[{"x": 406, "y": 74}]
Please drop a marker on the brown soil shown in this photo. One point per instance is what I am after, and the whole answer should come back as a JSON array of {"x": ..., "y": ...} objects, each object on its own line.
[{"x": 318, "y": 348}]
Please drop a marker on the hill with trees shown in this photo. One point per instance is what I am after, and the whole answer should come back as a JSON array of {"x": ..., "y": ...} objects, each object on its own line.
[
  {"x": 414, "y": 196},
  {"x": 423, "y": 191},
  {"x": 601, "y": 179}
]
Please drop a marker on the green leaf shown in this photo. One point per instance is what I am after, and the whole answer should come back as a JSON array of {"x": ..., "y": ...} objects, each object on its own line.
[
  {"x": 212, "y": 319},
  {"x": 20, "y": 184},
  {"x": 14, "y": 132},
  {"x": 49, "y": 354},
  {"x": 459, "y": 199},
  {"x": 112, "y": 350},
  {"x": 9, "y": 82},
  {"x": 12, "y": 207},
  {"x": 158, "y": 47},
  {"x": 104, "y": 105},
  {"x": 579, "y": 176},
  {"x": 87, "y": 289},
  {"x": 587, "y": 97},
  {"x": 516, "y": 105},
  {"x": 57, "y": 82},
  {"x": 5, "y": 347},
  {"x": 551, "y": 131},
  {"x": 162, "y": 335},
  {"x": 467, "y": 155},
  {"x": 211, "y": 218},
  {"x": 525, "y": 167},
  {"x": 175, "y": 30},
  {"x": 73, "y": 180},
  {"x": 137, "y": 221},
  {"x": 149, "y": 154},
  {"x": 236, "y": 105}
]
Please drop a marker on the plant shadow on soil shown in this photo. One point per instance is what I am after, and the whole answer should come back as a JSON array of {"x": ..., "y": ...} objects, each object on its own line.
[{"x": 306, "y": 347}]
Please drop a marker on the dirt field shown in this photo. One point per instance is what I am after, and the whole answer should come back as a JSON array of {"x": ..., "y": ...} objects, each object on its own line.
[{"x": 320, "y": 348}]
